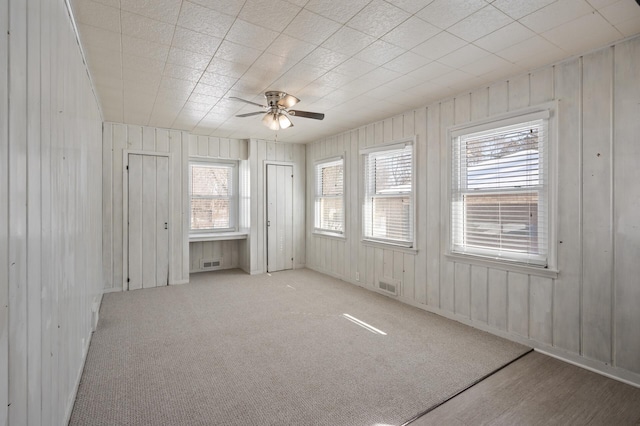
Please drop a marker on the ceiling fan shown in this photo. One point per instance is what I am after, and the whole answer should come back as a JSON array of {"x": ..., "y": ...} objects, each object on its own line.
[{"x": 278, "y": 112}]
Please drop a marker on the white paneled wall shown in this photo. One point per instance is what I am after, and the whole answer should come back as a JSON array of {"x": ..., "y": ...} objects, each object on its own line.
[
  {"x": 121, "y": 138},
  {"x": 253, "y": 251},
  {"x": 226, "y": 149},
  {"x": 50, "y": 212},
  {"x": 588, "y": 313}
]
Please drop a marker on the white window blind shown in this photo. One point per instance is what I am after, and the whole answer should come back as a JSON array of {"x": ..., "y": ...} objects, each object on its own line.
[
  {"x": 499, "y": 203},
  {"x": 388, "y": 199},
  {"x": 213, "y": 200},
  {"x": 329, "y": 199}
]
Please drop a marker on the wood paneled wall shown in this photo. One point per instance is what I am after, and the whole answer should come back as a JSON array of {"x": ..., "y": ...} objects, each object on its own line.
[
  {"x": 588, "y": 313},
  {"x": 253, "y": 251},
  {"x": 116, "y": 139},
  {"x": 218, "y": 148},
  {"x": 50, "y": 212}
]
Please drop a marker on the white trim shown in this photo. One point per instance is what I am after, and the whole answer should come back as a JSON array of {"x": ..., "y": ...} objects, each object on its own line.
[
  {"x": 396, "y": 144},
  {"x": 218, "y": 236},
  {"x": 389, "y": 246},
  {"x": 503, "y": 265},
  {"x": 324, "y": 234},
  {"x": 319, "y": 162}
]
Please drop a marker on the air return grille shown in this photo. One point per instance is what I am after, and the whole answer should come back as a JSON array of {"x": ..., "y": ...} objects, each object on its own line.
[
  {"x": 209, "y": 264},
  {"x": 389, "y": 285}
]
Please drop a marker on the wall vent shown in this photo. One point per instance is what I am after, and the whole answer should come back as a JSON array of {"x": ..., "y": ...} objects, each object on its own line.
[
  {"x": 389, "y": 285},
  {"x": 210, "y": 264}
]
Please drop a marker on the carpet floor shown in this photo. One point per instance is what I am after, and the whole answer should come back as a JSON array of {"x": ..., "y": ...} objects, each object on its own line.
[{"x": 274, "y": 349}]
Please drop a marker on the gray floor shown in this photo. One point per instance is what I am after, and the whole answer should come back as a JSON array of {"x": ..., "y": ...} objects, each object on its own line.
[{"x": 540, "y": 390}]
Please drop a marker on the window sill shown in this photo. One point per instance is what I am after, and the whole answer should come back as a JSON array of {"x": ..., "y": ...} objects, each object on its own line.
[
  {"x": 217, "y": 236},
  {"x": 340, "y": 237},
  {"x": 505, "y": 266},
  {"x": 389, "y": 246}
]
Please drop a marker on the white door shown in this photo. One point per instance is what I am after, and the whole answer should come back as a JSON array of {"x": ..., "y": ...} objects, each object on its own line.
[
  {"x": 279, "y": 217},
  {"x": 148, "y": 201}
]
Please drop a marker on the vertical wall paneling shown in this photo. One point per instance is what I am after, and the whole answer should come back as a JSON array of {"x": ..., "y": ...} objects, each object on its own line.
[
  {"x": 567, "y": 295},
  {"x": 597, "y": 243},
  {"x": 51, "y": 215},
  {"x": 587, "y": 311},
  {"x": 4, "y": 212},
  {"x": 626, "y": 232}
]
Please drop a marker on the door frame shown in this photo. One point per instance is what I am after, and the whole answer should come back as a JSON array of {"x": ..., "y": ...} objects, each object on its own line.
[
  {"x": 125, "y": 209},
  {"x": 265, "y": 208}
]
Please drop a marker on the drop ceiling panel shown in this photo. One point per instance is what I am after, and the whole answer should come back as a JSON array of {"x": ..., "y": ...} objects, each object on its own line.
[{"x": 175, "y": 63}]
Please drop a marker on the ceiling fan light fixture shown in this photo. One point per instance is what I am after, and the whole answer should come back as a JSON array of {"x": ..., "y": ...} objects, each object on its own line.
[
  {"x": 271, "y": 121},
  {"x": 284, "y": 121}
]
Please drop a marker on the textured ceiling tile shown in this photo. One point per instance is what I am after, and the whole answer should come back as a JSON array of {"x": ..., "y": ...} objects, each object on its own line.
[
  {"x": 274, "y": 14},
  {"x": 354, "y": 67},
  {"x": 229, "y": 7},
  {"x": 334, "y": 79},
  {"x": 439, "y": 45},
  {"x": 348, "y": 41},
  {"x": 486, "y": 65},
  {"x": 183, "y": 73},
  {"x": 204, "y": 99},
  {"x": 380, "y": 52},
  {"x": 411, "y": 33},
  {"x": 325, "y": 58},
  {"x": 463, "y": 56},
  {"x": 98, "y": 15},
  {"x": 148, "y": 65},
  {"x": 444, "y": 13},
  {"x": 382, "y": 75},
  {"x": 177, "y": 84},
  {"x": 290, "y": 47},
  {"x": 407, "y": 62},
  {"x": 456, "y": 79},
  {"x": 272, "y": 63},
  {"x": 378, "y": 18},
  {"x": 172, "y": 96},
  {"x": 248, "y": 34},
  {"x": 533, "y": 49},
  {"x": 217, "y": 80},
  {"x": 597, "y": 4},
  {"x": 620, "y": 11},
  {"x": 311, "y": 27},
  {"x": 107, "y": 81},
  {"x": 144, "y": 48},
  {"x": 431, "y": 71},
  {"x": 504, "y": 37},
  {"x": 556, "y": 14},
  {"x": 194, "y": 41},
  {"x": 201, "y": 19},
  {"x": 161, "y": 10},
  {"x": 227, "y": 68},
  {"x": 629, "y": 27},
  {"x": 188, "y": 59},
  {"x": 479, "y": 24},
  {"x": 576, "y": 36},
  {"x": 519, "y": 8},
  {"x": 145, "y": 28},
  {"x": 337, "y": 10},
  {"x": 411, "y": 6},
  {"x": 99, "y": 37},
  {"x": 234, "y": 52}
]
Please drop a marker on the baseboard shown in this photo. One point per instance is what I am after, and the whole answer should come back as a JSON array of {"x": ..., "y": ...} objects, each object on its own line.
[
  {"x": 179, "y": 282},
  {"x": 111, "y": 290},
  {"x": 72, "y": 398},
  {"x": 598, "y": 367}
]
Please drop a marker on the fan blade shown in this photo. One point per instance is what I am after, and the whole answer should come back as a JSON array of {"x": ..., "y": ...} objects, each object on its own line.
[
  {"x": 288, "y": 101},
  {"x": 249, "y": 114},
  {"x": 307, "y": 114},
  {"x": 247, "y": 102}
]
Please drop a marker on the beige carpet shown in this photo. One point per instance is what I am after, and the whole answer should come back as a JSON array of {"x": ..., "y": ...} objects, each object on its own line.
[{"x": 234, "y": 349}]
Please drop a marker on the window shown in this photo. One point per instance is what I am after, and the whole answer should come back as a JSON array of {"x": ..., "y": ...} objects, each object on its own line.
[
  {"x": 329, "y": 213},
  {"x": 213, "y": 188},
  {"x": 388, "y": 194},
  {"x": 500, "y": 191}
]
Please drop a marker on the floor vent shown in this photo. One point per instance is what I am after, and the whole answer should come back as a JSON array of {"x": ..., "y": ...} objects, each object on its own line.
[
  {"x": 389, "y": 285},
  {"x": 209, "y": 264}
]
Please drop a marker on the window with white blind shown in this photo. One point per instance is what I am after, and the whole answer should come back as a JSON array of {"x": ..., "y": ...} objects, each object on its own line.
[
  {"x": 388, "y": 207},
  {"x": 329, "y": 197},
  {"x": 500, "y": 190},
  {"x": 213, "y": 193}
]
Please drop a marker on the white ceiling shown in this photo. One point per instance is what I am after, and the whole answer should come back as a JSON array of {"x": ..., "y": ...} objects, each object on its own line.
[{"x": 174, "y": 63}]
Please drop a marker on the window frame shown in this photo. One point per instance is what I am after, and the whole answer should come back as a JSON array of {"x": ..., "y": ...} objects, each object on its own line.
[
  {"x": 317, "y": 196},
  {"x": 547, "y": 171},
  {"x": 233, "y": 199},
  {"x": 394, "y": 145}
]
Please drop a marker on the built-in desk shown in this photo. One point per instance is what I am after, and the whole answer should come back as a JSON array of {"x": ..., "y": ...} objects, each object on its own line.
[{"x": 218, "y": 236}]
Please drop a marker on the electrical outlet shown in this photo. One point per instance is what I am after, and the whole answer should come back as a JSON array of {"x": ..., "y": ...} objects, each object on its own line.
[{"x": 357, "y": 276}]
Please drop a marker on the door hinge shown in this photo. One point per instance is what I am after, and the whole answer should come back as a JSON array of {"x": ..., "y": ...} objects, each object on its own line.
[{"x": 127, "y": 168}]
